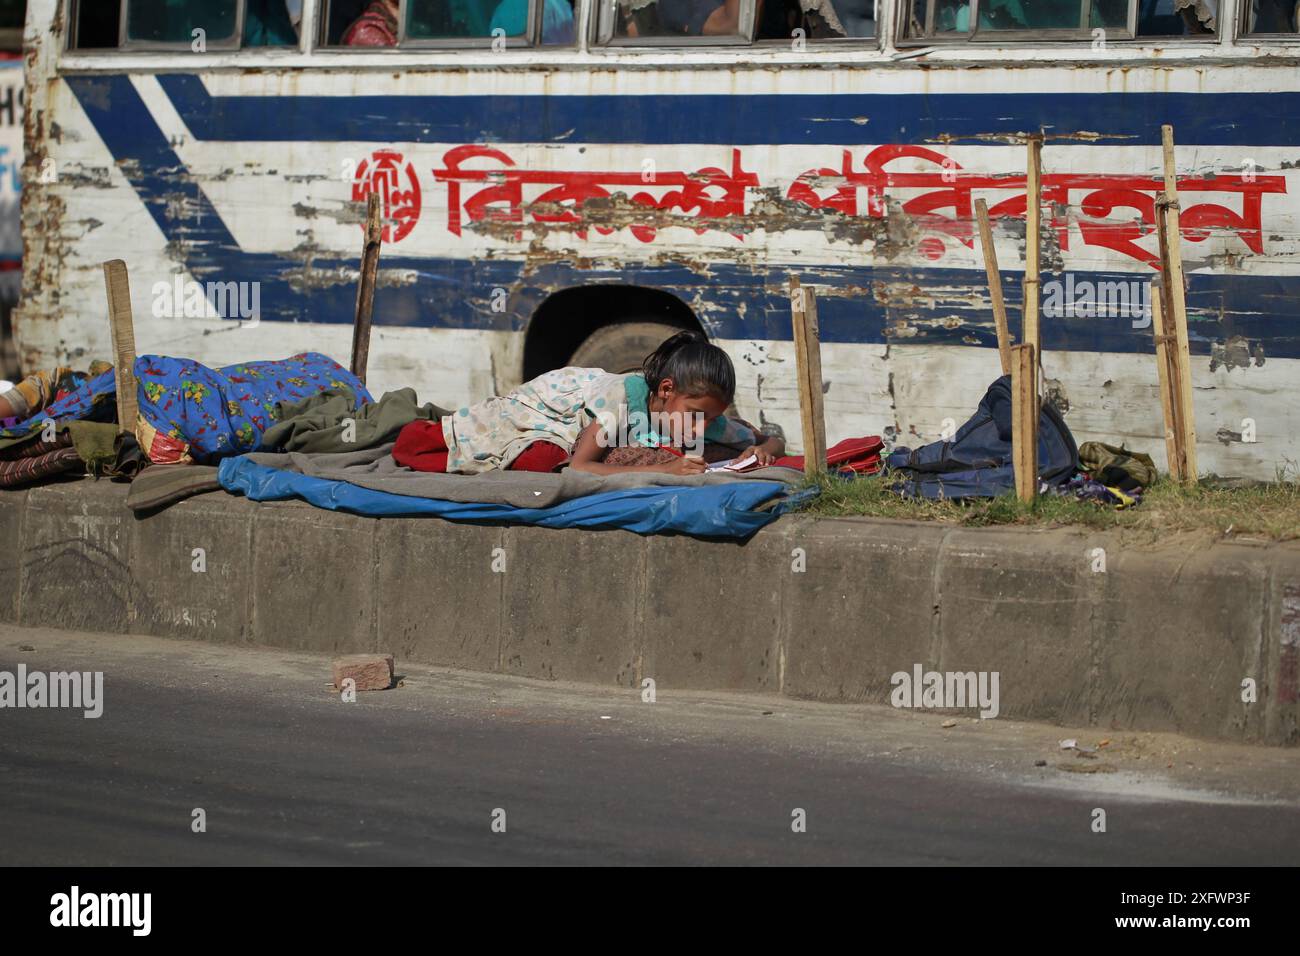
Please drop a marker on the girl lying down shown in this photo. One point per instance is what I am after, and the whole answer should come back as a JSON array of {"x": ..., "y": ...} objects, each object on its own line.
[{"x": 656, "y": 420}]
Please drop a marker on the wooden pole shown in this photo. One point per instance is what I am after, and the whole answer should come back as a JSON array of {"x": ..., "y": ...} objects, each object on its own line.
[
  {"x": 995, "y": 285},
  {"x": 366, "y": 288},
  {"x": 808, "y": 366},
  {"x": 1024, "y": 420},
  {"x": 117, "y": 286},
  {"x": 1167, "y": 374},
  {"x": 1168, "y": 229},
  {"x": 1030, "y": 334}
]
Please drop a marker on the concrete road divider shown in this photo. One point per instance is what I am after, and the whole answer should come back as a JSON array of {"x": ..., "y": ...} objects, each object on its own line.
[{"x": 1200, "y": 637}]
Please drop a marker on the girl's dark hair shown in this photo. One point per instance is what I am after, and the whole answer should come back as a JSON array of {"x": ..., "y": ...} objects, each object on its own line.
[{"x": 695, "y": 366}]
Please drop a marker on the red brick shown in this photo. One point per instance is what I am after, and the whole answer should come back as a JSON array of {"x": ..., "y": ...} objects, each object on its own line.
[{"x": 370, "y": 671}]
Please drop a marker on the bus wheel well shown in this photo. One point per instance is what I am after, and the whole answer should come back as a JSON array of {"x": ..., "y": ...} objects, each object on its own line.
[{"x": 569, "y": 317}]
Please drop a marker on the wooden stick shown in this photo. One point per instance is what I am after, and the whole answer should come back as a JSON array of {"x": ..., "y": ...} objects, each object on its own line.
[
  {"x": 1175, "y": 301},
  {"x": 1167, "y": 375},
  {"x": 1030, "y": 334},
  {"x": 808, "y": 367},
  {"x": 995, "y": 285},
  {"x": 121, "y": 322},
  {"x": 1024, "y": 420},
  {"x": 366, "y": 288}
]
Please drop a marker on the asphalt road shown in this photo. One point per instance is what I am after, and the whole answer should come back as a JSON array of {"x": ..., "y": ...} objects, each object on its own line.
[{"x": 287, "y": 773}]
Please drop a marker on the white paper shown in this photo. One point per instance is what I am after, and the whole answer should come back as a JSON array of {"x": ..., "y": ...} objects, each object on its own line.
[{"x": 735, "y": 464}]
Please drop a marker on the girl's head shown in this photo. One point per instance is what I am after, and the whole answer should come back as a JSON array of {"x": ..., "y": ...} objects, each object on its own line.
[{"x": 689, "y": 377}]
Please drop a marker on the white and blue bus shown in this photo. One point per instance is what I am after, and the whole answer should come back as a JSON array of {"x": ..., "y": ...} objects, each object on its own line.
[{"x": 568, "y": 181}]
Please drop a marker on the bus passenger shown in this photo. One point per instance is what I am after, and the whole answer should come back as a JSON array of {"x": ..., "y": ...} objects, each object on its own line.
[
  {"x": 511, "y": 17},
  {"x": 377, "y": 26},
  {"x": 1277, "y": 16},
  {"x": 700, "y": 17},
  {"x": 272, "y": 22}
]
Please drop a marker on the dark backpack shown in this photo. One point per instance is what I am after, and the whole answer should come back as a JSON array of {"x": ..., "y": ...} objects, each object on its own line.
[{"x": 976, "y": 463}]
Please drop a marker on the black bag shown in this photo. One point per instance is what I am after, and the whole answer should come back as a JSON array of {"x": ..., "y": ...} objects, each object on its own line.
[{"x": 977, "y": 462}]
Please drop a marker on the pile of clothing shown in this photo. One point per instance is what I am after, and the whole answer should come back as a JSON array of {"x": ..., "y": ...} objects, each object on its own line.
[
  {"x": 977, "y": 462},
  {"x": 62, "y": 421},
  {"x": 1110, "y": 475}
]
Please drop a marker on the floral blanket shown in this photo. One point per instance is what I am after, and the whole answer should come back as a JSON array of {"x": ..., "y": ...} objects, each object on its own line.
[{"x": 189, "y": 412}]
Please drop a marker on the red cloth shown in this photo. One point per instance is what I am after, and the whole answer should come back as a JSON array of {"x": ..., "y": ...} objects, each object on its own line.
[
  {"x": 543, "y": 456},
  {"x": 860, "y": 455},
  {"x": 421, "y": 446}
]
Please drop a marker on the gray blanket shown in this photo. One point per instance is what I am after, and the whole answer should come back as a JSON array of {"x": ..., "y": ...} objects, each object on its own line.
[{"x": 374, "y": 468}]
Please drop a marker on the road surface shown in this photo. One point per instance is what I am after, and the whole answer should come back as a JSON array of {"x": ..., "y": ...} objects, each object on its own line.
[{"x": 285, "y": 772}]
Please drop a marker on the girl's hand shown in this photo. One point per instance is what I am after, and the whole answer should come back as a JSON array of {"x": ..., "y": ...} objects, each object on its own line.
[
  {"x": 683, "y": 466},
  {"x": 762, "y": 452}
]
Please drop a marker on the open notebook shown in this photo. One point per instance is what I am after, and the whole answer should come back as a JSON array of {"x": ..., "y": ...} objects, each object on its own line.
[{"x": 734, "y": 464}]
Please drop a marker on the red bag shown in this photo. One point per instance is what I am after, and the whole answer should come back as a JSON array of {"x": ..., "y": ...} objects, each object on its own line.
[{"x": 859, "y": 455}]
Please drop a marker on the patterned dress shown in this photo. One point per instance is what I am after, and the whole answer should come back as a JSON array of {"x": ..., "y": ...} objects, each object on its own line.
[{"x": 556, "y": 407}]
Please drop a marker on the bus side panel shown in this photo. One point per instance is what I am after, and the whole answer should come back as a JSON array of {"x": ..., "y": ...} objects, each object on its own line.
[{"x": 497, "y": 196}]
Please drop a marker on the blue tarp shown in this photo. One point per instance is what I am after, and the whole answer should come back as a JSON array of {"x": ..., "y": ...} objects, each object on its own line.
[{"x": 711, "y": 511}]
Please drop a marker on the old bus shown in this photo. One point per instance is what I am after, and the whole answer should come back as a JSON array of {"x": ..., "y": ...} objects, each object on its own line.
[{"x": 567, "y": 181}]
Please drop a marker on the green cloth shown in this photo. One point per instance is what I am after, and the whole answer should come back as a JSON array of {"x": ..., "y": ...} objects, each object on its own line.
[
  {"x": 96, "y": 444},
  {"x": 13, "y": 441},
  {"x": 319, "y": 423},
  {"x": 1097, "y": 458},
  {"x": 267, "y": 23}
]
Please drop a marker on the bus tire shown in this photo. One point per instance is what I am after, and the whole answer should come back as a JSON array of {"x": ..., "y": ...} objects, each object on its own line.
[{"x": 622, "y": 347}]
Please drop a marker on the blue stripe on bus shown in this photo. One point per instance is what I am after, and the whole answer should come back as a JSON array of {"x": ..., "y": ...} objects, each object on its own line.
[
  {"x": 856, "y": 305},
  {"x": 842, "y": 119}
]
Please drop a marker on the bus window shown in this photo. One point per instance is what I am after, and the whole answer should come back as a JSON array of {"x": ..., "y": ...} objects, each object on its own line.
[
  {"x": 11, "y": 15},
  {"x": 449, "y": 19},
  {"x": 1059, "y": 19},
  {"x": 272, "y": 22},
  {"x": 1045, "y": 15},
  {"x": 95, "y": 25},
  {"x": 650, "y": 19},
  {"x": 818, "y": 19},
  {"x": 1163, "y": 18},
  {"x": 176, "y": 21},
  {"x": 1272, "y": 17},
  {"x": 197, "y": 25},
  {"x": 374, "y": 23},
  {"x": 930, "y": 18},
  {"x": 511, "y": 16},
  {"x": 858, "y": 17}
]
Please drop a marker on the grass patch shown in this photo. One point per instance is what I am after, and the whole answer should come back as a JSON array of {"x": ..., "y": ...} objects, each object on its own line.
[{"x": 1269, "y": 510}]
